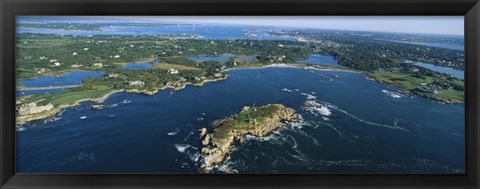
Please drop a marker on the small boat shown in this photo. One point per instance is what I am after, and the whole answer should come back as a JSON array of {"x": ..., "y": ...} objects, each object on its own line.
[
  {"x": 336, "y": 76},
  {"x": 83, "y": 117}
]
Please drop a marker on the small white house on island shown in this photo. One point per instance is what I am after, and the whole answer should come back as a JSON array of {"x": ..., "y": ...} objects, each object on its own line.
[
  {"x": 57, "y": 64},
  {"x": 76, "y": 65},
  {"x": 116, "y": 56},
  {"x": 136, "y": 83},
  {"x": 74, "y": 53},
  {"x": 98, "y": 64},
  {"x": 85, "y": 49},
  {"x": 172, "y": 71}
]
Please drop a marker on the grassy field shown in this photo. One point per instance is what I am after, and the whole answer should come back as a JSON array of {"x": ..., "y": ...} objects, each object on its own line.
[
  {"x": 174, "y": 66},
  {"x": 72, "y": 95},
  {"x": 410, "y": 83}
]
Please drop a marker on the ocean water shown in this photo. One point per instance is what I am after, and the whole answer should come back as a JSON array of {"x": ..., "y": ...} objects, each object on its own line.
[
  {"x": 359, "y": 130},
  {"x": 438, "y": 45},
  {"x": 460, "y": 74},
  {"x": 321, "y": 60},
  {"x": 204, "y": 31},
  {"x": 445, "y": 46}
]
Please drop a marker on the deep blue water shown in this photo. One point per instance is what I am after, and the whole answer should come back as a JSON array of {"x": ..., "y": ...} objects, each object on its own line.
[
  {"x": 222, "y": 58},
  {"x": 460, "y": 74},
  {"x": 137, "y": 66},
  {"x": 71, "y": 78},
  {"x": 326, "y": 60},
  {"x": 367, "y": 130}
]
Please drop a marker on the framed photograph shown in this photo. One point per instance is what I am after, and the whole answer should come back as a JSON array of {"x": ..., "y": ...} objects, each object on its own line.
[{"x": 239, "y": 94}]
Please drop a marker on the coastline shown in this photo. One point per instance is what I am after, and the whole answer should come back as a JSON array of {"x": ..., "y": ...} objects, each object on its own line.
[
  {"x": 298, "y": 66},
  {"x": 20, "y": 120}
]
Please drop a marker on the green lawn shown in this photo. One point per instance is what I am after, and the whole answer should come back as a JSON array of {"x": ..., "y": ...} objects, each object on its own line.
[
  {"x": 408, "y": 82},
  {"x": 71, "y": 96}
]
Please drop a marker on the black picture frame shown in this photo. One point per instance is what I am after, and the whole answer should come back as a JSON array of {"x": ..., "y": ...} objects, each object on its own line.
[{"x": 10, "y": 8}]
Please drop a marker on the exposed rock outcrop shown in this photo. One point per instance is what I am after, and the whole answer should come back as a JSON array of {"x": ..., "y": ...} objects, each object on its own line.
[
  {"x": 256, "y": 121},
  {"x": 32, "y": 108}
]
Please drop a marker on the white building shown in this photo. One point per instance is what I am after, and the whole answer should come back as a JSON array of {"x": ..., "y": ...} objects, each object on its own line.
[
  {"x": 74, "y": 53},
  {"x": 98, "y": 64},
  {"x": 76, "y": 65},
  {"x": 172, "y": 71},
  {"x": 85, "y": 49},
  {"x": 136, "y": 83},
  {"x": 57, "y": 64},
  {"x": 116, "y": 56}
]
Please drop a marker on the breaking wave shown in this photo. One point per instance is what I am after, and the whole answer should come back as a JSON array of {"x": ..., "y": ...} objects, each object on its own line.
[
  {"x": 325, "y": 109},
  {"x": 182, "y": 147},
  {"x": 365, "y": 121}
]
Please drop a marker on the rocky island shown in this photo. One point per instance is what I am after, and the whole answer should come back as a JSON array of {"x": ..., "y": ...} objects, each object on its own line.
[{"x": 256, "y": 121}]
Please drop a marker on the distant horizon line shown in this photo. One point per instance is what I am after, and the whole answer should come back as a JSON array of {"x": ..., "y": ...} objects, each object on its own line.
[{"x": 123, "y": 19}]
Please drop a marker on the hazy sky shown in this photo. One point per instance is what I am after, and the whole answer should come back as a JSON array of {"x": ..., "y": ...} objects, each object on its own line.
[
  {"x": 405, "y": 24},
  {"x": 453, "y": 25}
]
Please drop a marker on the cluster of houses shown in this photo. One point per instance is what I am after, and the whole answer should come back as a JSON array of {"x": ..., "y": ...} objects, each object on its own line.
[{"x": 55, "y": 62}]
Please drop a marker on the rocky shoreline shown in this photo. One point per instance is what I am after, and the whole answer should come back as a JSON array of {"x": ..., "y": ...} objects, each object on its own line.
[
  {"x": 22, "y": 119},
  {"x": 256, "y": 121}
]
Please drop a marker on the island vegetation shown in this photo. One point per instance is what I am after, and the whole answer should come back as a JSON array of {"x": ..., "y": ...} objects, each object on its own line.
[{"x": 255, "y": 121}]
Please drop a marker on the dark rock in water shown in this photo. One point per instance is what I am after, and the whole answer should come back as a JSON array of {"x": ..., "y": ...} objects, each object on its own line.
[{"x": 99, "y": 107}]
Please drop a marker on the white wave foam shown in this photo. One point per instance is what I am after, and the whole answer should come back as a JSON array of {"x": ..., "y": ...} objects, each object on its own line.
[
  {"x": 365, "y": 121},
  {"x": 52, "y": 119},
  {"x": 227, "y": 166},
  {"x": 392, "y": 94},
  {"x": 126, "y": 101},
  {"x": 182, "y": 147},
  {"x": 21, "y": 129},
  {"x": 195, "y": 157},
  {"x": 314, "y": 106},
  {"x": 288, "y": 90},
  {"x": 309, "y": 96}
]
